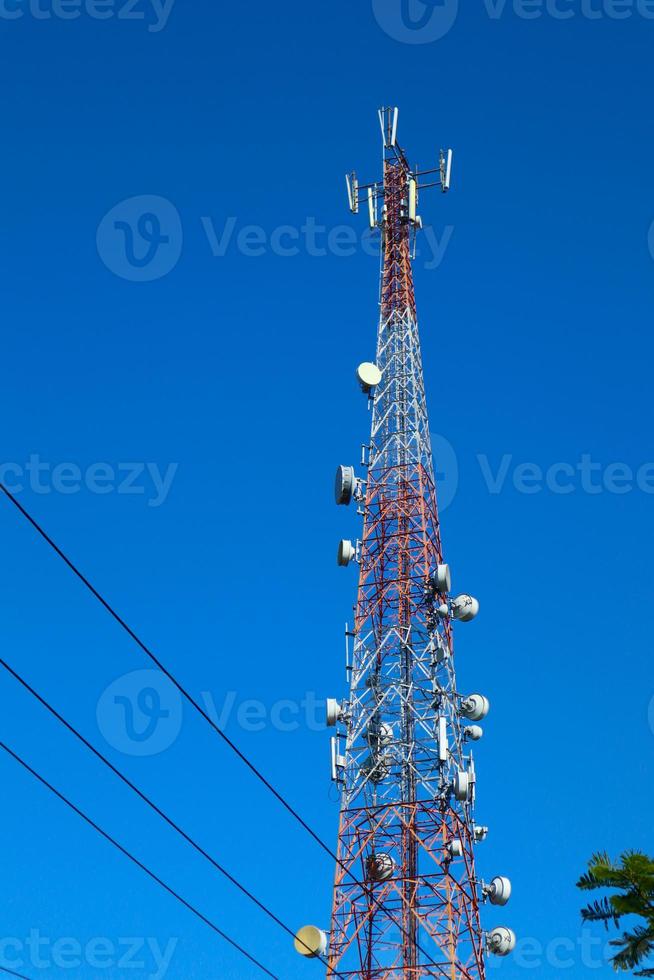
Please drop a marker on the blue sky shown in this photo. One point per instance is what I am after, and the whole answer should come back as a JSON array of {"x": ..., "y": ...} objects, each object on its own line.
[{"x": 175, "y": 424}]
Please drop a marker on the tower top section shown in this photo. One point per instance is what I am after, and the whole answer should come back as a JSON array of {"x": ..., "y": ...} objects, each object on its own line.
[{"x": 411, "y": 178}]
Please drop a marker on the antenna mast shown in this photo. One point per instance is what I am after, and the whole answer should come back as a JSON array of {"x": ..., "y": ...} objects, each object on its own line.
[{"x": 406, "y": 894}]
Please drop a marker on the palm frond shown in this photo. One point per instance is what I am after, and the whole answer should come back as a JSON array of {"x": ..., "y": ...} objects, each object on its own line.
[
  {"x": 639, "y": 868},
  {"x": 631, "y": 903},
  {"x": 601, "y": 911},
  {"x": 635, "y": 947},
  {"x": 603, "y": 873}
]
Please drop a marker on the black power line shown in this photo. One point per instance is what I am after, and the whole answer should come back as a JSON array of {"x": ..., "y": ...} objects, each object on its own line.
[
  {"x": 12, "y": 973},
  {"x": 136, "y": 861},
  {"x": 182, "y": 690},
  {"x": 171, "y": 823},
  {"x": 191, "y": 700}
]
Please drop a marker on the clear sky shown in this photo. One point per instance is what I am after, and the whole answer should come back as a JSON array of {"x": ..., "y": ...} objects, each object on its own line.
[{"x": 177, "y": 390}]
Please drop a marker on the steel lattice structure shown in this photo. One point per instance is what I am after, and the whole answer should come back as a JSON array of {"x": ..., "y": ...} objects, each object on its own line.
[{"x": 406, "y": 895}]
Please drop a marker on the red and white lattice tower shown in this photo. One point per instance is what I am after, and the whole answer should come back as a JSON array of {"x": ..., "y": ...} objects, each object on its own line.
[{"x": 407, "y": 896}]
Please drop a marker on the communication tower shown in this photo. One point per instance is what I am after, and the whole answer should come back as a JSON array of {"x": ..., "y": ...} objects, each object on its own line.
[{"x": 407, "y": 895}]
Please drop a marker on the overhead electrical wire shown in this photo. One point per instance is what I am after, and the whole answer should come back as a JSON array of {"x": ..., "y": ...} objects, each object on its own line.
[
  {"x": 146, "y": 799},
  {"x": 186, "y": 694},
  {"x": 12, "y": 973},
  {"x": 164, "y": 670},
  {"x": 135, "y": 860}
]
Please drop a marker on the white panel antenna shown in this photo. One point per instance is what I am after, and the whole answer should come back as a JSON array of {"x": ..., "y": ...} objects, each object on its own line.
[
  {"x": 338, "y": 761},
  {"x": 389, "y": 139},
  {"x": 381, "y": 115},
  {"x": 413, "y": 198},
  {"x": 372, "y": 206},
  {"x": 443, "y": 746},
  {"x": 446, "y": 170},
  {"x": 352, "y": 192},
  {"x": 396, "y": 113}
]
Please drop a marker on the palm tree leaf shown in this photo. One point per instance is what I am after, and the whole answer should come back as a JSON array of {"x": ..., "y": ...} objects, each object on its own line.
[
  {"x": 629, "y": 904},
  {"x": 603, "y": 873},
  {"x": 635, "y": 946},
  {"x": 601, "y": 911}
]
